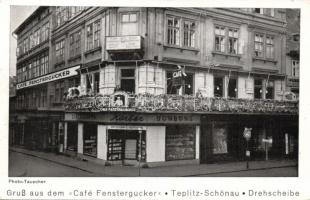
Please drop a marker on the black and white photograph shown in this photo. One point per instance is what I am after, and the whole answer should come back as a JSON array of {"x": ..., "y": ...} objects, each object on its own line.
[{"x": 101, "y": 91}]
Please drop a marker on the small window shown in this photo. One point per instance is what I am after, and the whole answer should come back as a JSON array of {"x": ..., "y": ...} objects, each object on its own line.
[
  {"x": 258, "y": 88},
  {"x": 128, "y": 80},
  {"x": 232, "y": 41},
  {"x": 129, "y": 24},
  {"x": 232, "y": 88},
  {"x": 259, "y": 45},
  {"x": 218, "y": 86},
  {"x": 295, "y": 68},
  {"x": 270, "y": 90}
]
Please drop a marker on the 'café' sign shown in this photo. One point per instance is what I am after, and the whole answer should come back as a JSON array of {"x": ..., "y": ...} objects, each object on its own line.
[{"x": 50, "y": 77}]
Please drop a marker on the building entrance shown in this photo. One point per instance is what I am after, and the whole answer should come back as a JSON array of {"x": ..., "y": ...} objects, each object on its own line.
[{"x": 124, "y": 146}]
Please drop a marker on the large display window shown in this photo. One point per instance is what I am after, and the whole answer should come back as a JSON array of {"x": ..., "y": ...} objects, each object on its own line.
[
  {"x": 180, "y": 142},
  {"x": 220, "y": 140},
  {"x": 90, "y": 139}
]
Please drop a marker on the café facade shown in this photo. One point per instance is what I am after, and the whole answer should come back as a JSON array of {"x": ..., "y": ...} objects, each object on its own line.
[{"x": 170, "y": 129}]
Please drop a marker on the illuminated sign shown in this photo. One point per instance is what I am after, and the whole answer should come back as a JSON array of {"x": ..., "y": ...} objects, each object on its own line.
[
  {"x": 50, "y": 77},
  {"x": 123, "y": 43}
]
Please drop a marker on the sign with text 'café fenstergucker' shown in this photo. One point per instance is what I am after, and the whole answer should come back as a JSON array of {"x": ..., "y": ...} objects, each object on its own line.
[
  {"x": 50, "y": 77},
  {"x": 123, "y": 43},
  {"x": 136, "y": 118}
]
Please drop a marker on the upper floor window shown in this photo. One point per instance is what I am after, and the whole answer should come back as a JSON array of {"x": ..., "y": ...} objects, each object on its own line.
[
  {"x": 61, "y": 15},
  {"x": 173, "y": 35},
  {"x": 45, "y": 32},
  {"x": 269, "y": 47},
  {"x": 75, "y": 44},
  {"x": 93, "y": 35},
  {"x": 59, "y": 50},
  {"x": 259, "y": 45},
  {"x": 259, "y": 10},
  {"x": 230, "y": 35},
  {"x": 181, "y": 32},
  {"x": 189, "y": 34},
  {"x": 264, "y": 46},
  {"x": 129, "y": 24},
  {"x": 295, "y": 68},
  {"x": 220, "y": 39}
]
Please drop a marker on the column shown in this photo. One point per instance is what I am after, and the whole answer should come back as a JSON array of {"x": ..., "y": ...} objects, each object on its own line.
[
  {"x": 65, "y": 135},
  {"x": 102, "y": 142},
  {"x": 155, "y": 143},
  {"x": 197, "y": 144},
  {"x": 80, "y": 138}
]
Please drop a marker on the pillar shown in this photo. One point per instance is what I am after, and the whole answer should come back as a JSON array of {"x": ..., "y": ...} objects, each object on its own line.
[
  {"x": 102, "y": 142},
  {"x": 197, "y": 144},
  {"x": 65, "y": 135},
  {"x": 80, "y": 138}
]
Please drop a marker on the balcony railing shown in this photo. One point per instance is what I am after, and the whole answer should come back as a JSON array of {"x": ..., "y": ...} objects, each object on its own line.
[{"x": 176, "y": 103}]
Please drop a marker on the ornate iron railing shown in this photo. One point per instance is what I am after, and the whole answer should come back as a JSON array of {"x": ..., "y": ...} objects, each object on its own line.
[{"x": 176, "y": 103}]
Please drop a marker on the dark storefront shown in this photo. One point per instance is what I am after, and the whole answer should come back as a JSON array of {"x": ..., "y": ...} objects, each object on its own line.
[{"x": 272, "y": 137}]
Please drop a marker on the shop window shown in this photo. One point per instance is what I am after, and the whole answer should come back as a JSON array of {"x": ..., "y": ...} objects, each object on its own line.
[
  {"x": 128, "y": 80},
  {"x": 187, "y": 82},
  {"x": 72, "y": 136},
  {"x": 232, "y": 88},
  {"x": 258, "y": 88},
  {"x": 89, "y": 81},
  {"x": 295, "y": 68},
  {"x": 129, "y": 24},
  {"x": 270, "y": 90},
  {"x": 96, "y": 82},
  {"x": 218, "y": 86},
  {"x": 90, "y": 139},
  {"x": 219, "y": 140},
  {"x": 180, "y": 142}
]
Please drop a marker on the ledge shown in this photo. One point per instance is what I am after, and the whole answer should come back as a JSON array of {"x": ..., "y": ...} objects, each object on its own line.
[
  {"x": 181, "y": 48},
  {"x": 265, "y": 59},
  {"x": 92, "y": 50},
  {"x": 226, "y": 54},
  {"x": 74, "y": 58}
]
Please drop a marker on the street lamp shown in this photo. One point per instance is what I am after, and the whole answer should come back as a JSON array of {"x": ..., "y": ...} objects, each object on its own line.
[{"x": 247, "y": 136}]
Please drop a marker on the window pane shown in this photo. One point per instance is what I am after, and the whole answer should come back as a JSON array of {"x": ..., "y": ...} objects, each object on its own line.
[
  {"x": 133, "y": 17},
  {"x": 125, "y": 18},
  {"x": 218, "y": 87}
]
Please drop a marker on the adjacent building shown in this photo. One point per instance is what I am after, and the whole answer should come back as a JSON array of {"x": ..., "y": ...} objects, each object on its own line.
[{"x": 156, "y": 85}]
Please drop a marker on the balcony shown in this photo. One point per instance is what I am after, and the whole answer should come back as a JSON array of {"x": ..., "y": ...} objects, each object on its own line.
[{"x": 175, "y": 103}]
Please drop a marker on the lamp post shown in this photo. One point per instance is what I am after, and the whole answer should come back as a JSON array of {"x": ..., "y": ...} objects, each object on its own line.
[
  {"x": 140, "y": 150},
  {"x": 247, "y": 136}
]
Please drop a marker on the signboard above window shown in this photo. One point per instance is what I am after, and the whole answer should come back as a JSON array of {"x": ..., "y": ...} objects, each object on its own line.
[{"x": 123, "y": 43}]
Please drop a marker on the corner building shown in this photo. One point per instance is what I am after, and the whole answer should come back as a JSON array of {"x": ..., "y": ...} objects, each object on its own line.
[{"x": 166, "y": 85}]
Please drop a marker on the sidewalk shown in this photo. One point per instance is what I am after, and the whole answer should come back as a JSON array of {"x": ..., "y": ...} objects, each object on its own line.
[{"x": 163, "y": 171}]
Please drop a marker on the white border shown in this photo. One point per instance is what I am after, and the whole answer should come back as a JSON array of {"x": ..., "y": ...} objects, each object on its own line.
[{"x": 300, "y": 183}]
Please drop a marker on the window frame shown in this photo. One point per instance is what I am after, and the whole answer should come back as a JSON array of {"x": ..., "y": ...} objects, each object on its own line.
[
  {"x": 129, "y": 22},
  {"x": 226, "y": 39},
  {"x": 265, "y": 45},
  {"x": 295, "y": 68}
]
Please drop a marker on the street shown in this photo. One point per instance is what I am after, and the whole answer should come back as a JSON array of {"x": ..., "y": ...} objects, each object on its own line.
[
  {"x": 273, "y": 172},
  {"x": 30, "y": 166},
  {"x": 25, "y": 165}
]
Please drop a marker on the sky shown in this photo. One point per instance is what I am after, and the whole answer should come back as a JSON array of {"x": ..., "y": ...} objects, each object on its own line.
[{"x": 17, "y": 15}]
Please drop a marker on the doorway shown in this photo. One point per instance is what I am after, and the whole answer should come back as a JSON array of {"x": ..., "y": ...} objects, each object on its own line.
[{"x": 124, "y": 146}]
